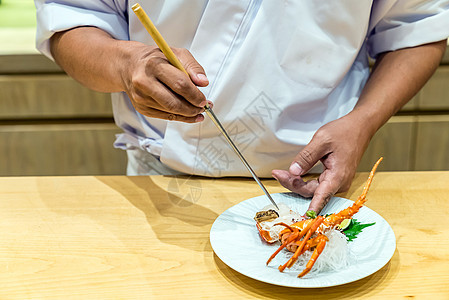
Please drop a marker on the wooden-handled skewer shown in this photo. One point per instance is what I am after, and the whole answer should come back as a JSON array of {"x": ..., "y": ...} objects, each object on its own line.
[
  {"x": 157, "y": 37},
  {"x": 165, "y": 48}
]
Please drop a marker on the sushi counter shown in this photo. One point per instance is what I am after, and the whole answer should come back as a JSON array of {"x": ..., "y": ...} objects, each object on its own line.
[{"x": 119, "y": 237}]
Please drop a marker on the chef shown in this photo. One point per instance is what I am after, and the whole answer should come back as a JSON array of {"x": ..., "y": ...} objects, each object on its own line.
[{"x": 289, "y": 80}]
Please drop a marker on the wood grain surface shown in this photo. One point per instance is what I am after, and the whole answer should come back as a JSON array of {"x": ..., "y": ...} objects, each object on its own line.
[
  {"x": 50, "y": 96},
  {"x": 395, "y": 140},
  {"x": 148, "y": 238},
  {"x": 432, "y": 143},
  {"x": 17, "y": 63},
  {"x": 60, "y": 149},
  {"x": 435, "y": 93}
]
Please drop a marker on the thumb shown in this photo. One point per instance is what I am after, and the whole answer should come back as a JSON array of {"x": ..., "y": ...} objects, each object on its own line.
[
  {"x": 307, "y": 158},
  {"x": 193, "y": 68}
]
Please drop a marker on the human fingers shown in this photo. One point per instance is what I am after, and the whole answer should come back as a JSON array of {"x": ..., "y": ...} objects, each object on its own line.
[
  {"x": 328, "y": 185},
  {"x": 146, "y": 84},
  {"x": 152, "y": 76},
  {"x": 160, "y": 114},
  {"x": 180, "y": 84},
  {"x": 315, "y": 150},
  {"x": 193, "y": 68},
  {"x": 154, "y": 94},
  {"x": 295, "y": 183}
]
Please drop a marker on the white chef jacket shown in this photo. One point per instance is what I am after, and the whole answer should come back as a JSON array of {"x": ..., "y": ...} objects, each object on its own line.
[{"x": 278, "y": 70}]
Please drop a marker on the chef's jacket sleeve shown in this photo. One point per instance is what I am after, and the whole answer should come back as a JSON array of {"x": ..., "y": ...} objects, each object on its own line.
[
  {"x": 407, "y": 23},
  {"x": 55, "y": 16}
]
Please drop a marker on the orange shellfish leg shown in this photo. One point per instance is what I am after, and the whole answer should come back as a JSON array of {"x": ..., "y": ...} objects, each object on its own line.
[
  {"x": 348, "y": 212},
  {"x": 313, "y": 243},
  {"x": 316, "y": 253},
  {"x": 298, "y": 251},
  {"x": 291, "y": 238},
  {"x": 313, "y": 227},
  {"x": 370, "y": 179}
]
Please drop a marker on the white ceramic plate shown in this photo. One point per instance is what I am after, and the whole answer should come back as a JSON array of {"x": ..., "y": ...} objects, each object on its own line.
[{"x": 235, "y": 240}]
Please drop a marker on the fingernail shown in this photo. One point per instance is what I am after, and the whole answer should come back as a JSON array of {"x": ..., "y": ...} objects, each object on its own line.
[
  {"x": 199, "y": 118},
  {"x": 202, "y": 104},
  {"x": 295, "y": 169},
  {"x": 202, "y": 77}
]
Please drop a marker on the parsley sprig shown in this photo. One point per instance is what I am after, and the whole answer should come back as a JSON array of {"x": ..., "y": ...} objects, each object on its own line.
[{"x": 354, "y": 228}]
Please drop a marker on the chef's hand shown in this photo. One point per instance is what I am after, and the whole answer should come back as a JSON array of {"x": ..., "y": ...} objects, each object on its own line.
[
  {"x": 158, "y": 89},
  {"x": 339, "y": 145}
]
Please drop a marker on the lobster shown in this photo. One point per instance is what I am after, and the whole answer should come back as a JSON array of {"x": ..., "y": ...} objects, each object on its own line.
[{"x": 309, "y": 234}]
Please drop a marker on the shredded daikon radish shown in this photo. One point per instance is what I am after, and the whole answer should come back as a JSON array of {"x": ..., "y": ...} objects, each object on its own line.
[{"x": 335, "y": 256}]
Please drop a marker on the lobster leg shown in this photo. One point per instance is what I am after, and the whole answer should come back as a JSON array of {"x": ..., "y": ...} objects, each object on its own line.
[
  {"x": 316, "y": 253},
  {"x": 335, "y": 219},
  {"x": 294, "y": 236},
  {"x": 313, "y": 243},
  {"x": 314, "y": 225},
  {"x": 370, "y": 179}
]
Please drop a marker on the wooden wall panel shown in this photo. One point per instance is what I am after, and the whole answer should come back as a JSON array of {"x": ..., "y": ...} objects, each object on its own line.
[
  {"x": 435, "y": 94},
  {"x": 27, "y": 64},
  {"x": 445, "y": 59},
  {"x": 432, "y": 143},
  {"x": 395, "y": 142},
  {"x": 60, "y": 149},
  {"x": 49, "y": 96},
  {"x": 411, "y": 105}
]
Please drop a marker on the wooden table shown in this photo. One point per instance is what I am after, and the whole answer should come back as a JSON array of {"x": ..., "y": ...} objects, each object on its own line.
[{"x": 148, "y": 237}]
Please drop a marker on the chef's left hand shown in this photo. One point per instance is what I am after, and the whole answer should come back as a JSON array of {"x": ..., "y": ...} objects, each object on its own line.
[{"x": 339, "y": 145}]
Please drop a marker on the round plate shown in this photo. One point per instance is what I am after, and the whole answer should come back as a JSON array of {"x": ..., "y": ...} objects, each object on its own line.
[{"x": 236, "y": 241}]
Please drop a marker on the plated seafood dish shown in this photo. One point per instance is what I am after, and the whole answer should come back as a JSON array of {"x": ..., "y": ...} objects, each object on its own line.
[{"x": 306, "y": 242}]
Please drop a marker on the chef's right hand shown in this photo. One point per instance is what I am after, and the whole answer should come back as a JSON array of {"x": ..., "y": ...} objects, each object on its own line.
[{"x": 158, "y": 89}]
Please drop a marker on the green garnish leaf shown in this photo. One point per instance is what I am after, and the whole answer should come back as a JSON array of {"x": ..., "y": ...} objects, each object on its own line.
[
  {"x": 354, "y": 229},
  {"x": 311, "y": 214}
]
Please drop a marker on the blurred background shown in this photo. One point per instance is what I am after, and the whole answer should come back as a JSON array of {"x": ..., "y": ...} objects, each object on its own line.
[{"x": 51, "y": 125}]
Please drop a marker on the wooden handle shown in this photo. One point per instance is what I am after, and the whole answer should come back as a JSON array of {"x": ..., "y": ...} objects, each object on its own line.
[
  {"x": 157, "y": 37},
  {"x": 161, "y": 43}
]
